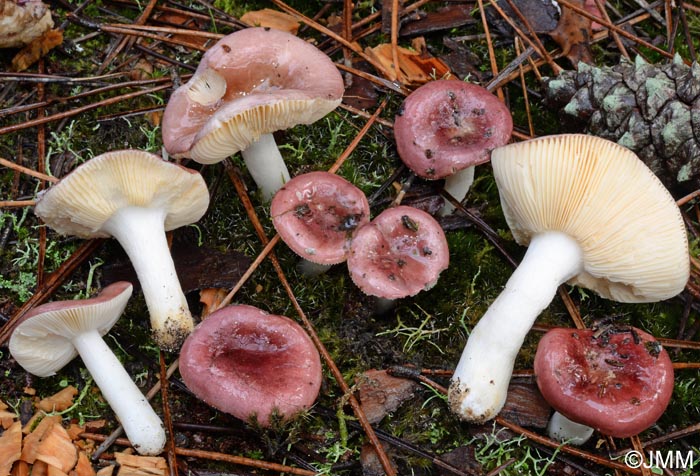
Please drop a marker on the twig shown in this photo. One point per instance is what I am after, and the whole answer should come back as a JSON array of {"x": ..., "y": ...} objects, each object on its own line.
[{"x": 27, "y": 171}]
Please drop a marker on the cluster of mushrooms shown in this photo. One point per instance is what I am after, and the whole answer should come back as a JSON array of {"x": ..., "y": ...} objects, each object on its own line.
[{"x": 591, "y": 213}]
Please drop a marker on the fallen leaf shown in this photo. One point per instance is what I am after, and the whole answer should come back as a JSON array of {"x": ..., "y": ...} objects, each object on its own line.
[
  {"x": 269, "y": 18},
  {"x": 10, "y": 447},
  {"x": 20, "y": 469},
  {"x": 58, "y": 401},
  {"x": 211, "y": 298},
  {"x": 83, "y": 466},
  {"x": 445, "y": 18},
  {"x": 56, "y": 449},
  {"x": 415, "y": 67},
  {"x": 35, "y": 50},
  {"x": 573, "y": 34},
  {"x": 381, "y": 394},
  {"x": 133, "y": 465},
  {"x": 33, "y": 439}
]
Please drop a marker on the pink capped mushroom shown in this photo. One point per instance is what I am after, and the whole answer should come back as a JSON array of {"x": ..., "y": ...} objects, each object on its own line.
[
  {"x": 249, "y": 84},
  {"x": 617, "y": 380},
  {"x": 445, "y": 128},
  {"x": 251, "y": 364},
  {"x": 317, "y": 214},
  {"x": 51, "y": 335},
  {"x": 399, "y": 253}
]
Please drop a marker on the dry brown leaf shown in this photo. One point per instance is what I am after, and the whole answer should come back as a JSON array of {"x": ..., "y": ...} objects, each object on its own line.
[
  {"x": 415, "y": 67},
  {"x": 10, "y": 447},
  {"x": 29, "y": 391},
  {"x": 106, "y": 471},
  {"x": 20, "y": 469},
  {"x": 83, "y": 467},
  {"x": 35, "y": 50},
  {"x": 40, "y": 469},
  {"x": 53, "y": 471},
  {"x": 573, "y": 34},
  {"x": 56, "y": 449},
  {"x": 33, "y": 440},
  {"x": 269, "y": 18},
  {"x": 7, "y": 419},
  {"x": 58, "y": 401},
  {"x": 185, "y": 22},
  {"x": 211, "y": 298}
]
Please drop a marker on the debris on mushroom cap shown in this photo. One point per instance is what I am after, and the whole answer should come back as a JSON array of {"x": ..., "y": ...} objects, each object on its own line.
[
  {"x": 398, "y": 254},
  {"x": 273, "y": 80},
  {"x": 246, "y": 362},
  {"x": 81, "y": 202},
  {"x": 617, "y": 380},
  {"x": 445, "y": 126},
  {"x": 41, "y": 341},
  {"x": 630, "y": 230},
  {"x": 317, "y": 214},
  {"x": 22, "y": 21}
]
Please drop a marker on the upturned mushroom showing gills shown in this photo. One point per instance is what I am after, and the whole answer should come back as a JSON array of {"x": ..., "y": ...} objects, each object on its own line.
[
  {"x": 592, "y": 214},
  {"x": 249, "y": 84},
  {"x": 317, "y": 214},
  {"x": 617, "y": 380},
  {"x": 135, "y": 197},
  {"x": 445, "y": 128},
  {"x": 51, "y": 335},
  {"x": 401, "y": 252},
  {"x": 251, "y": 364}
]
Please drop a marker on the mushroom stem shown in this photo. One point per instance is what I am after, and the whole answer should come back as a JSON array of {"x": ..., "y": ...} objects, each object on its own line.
[
  {"x": 560, "y": 428},
  {"x": 266, "y": 165},
  {"x": 141, "y": 232},
  {"x": 480, "y": 382},
  {"x": 457, "y": 185},
  {"x": 141, "y": 424}
]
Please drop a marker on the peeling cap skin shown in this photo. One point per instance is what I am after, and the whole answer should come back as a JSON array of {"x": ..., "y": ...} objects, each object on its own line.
[
  {"x": 398, "y": 254},
  {"x": 317, "y": 214},
  {"x": 246, "y": 362},
  {"x": 51, "y": 335},
  {"x": 445, "y": 126},
  {"x": 592, "y": 214},
  {"x": 135, "y": 197},
  {"x": 618, "y": 381}
]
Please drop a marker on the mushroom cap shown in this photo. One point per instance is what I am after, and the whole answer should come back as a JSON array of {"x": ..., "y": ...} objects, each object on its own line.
[
  {"x": 81, "y": 202},
  {"x": 244, "y": 361},
  {"x": 317, "y": 214},
  {"x": 399, "y": 253},
  {"x": 445, "y": 126},
  {"x": 252, "y": 82},
  {"x": 41, "y": 342},
  {"x": 627, "y": 224},
  {"x": 618, "y": 383}
]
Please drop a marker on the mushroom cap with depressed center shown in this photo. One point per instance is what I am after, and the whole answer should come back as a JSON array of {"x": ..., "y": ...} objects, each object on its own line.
[
  {"x": 41, "y": 342},
  {"x": 399, "y": 253},
  {"x": 445, "y": 126},
  {"x": 317, "y": 214},
  {"x": 618, "y": 382},
  {"x": 626, "y": 223},
  {"x": 81, "y": 202},
  {"x": 246, "y": 362},
  {"x": 252, "y": 82}
]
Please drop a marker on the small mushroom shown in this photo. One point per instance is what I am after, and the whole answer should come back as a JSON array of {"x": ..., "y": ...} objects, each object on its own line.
[
  {"x": 51, "y": 335},
  {"x": 401, "y": 252},
  {"x": 317, "y": 214},
  {"x": 617, "y": 380},
  {"x": 592, "y": 214},
  {"x": 135, "y": 197},
  {"x": 246, "y": 362},
  {"x": 249, "y": 84},
  {"x": 445, "y": 128}
]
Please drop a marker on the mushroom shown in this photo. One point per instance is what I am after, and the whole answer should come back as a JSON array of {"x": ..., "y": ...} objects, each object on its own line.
[
  {"x": 316, "y": 215},
  {"x": 401, "y": 252},
  {"x": 246, "y": 362},
  {"x": 445, "y": 128},
  {"x": 135, "y": 197},
  {"x": 51, "y": 335},
  {"x": 249, "y": 84},
  {"x": 617, "y": 380},
  {"x": 593, "y": 215}
]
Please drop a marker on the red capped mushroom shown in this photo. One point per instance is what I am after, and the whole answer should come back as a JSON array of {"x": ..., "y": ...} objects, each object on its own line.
[
  {"x": 398, "y": 254},
  {"x": 617, "y": 380},
  {"x": 246, "y": 362},
  {"x": 317, "y": 214},
  {"x": 446, "y": 127}
]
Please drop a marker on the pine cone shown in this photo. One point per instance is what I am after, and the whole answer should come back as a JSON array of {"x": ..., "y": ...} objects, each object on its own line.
[{"x": 652, "y": 110}]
